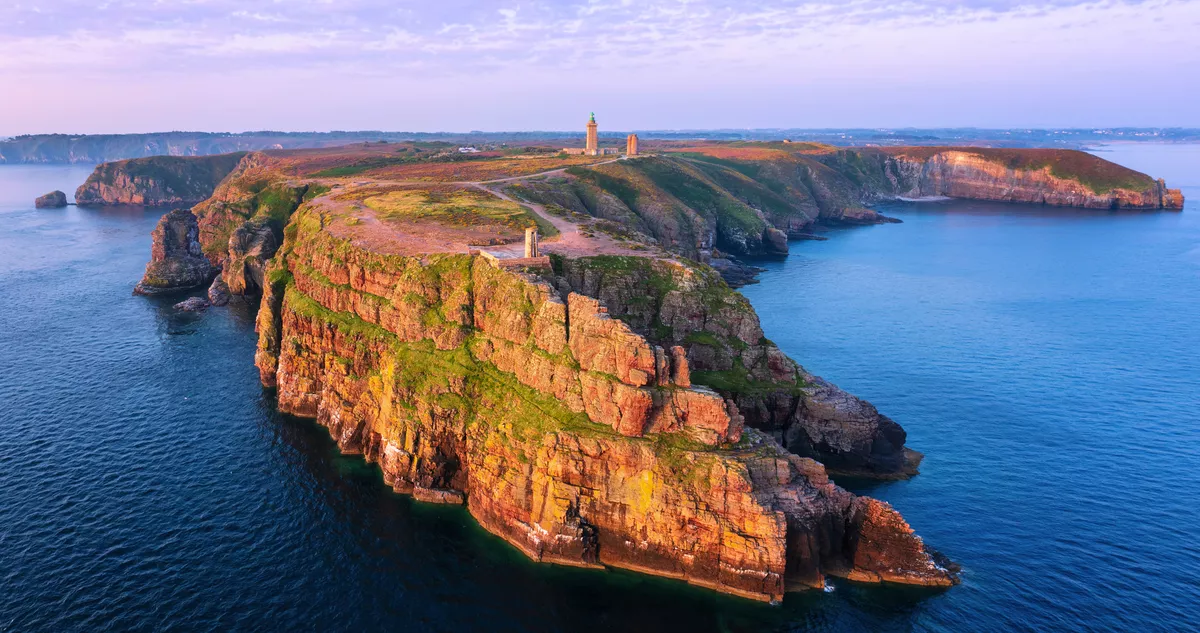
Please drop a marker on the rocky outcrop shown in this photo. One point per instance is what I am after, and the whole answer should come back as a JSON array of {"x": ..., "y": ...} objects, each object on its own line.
[
  {"x": 156, "y": 181},
  {"x": 858, "y": 216},
  {"x": 1064, "y": 178},
  {"x": 176, "y": 261},
  {"x": 52, "y": 200},
  {"x": 218, "y": 292},
  {"x": 250, "y": 247},
  {"x": 886, "y": 552},
  {"x": 674, "y": 305},
  {"x": 193, "y": 304},
  {"x": 846, "y": 433},
  {"x": 241, "y": 224},
  {"x": 1171, "y": 198},
  {"x": 562, "y": 429}
]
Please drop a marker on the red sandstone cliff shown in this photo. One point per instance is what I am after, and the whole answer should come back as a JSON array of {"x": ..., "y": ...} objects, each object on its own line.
[{"x": 563, "y": 430}]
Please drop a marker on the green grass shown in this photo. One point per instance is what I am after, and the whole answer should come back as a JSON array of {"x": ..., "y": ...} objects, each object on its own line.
[
  {"x": 701, "y": 337},
  {"x": 276, "y": 202},
  {"x": 460, "y": 207},
  {"x": 738, "y": 381},
  {"x": 315, "y": 191},
  {"x": 730, "y": 213},
  {"x": 624, "y": 191}
]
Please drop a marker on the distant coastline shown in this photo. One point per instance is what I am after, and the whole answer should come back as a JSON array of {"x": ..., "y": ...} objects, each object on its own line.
[{"x": 100, "y": 148}]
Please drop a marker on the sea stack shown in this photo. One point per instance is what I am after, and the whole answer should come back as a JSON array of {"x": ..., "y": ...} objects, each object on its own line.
[
  {"x": 176, "y": 261},
  {"x": 52, "y": 200}
]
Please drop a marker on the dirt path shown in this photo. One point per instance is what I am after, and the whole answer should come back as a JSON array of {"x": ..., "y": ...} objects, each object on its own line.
[
  {"x": 411, "y": 238},
  {"x": 570, "y": 241},
  {"x": 560, "y": 170}
]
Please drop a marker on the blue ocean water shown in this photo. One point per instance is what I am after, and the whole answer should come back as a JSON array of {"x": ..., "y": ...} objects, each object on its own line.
[{"x": 1045, "y": 361}]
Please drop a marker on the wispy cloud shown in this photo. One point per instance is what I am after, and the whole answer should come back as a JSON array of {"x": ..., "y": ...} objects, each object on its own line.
[{"x": 654, "y": 51}]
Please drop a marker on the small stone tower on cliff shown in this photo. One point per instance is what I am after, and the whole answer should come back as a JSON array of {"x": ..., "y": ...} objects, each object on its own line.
[
  {"x": 531, "y": 242},
  {"x": 631, "y": 148},
  {"x": 593, "y": 140}
]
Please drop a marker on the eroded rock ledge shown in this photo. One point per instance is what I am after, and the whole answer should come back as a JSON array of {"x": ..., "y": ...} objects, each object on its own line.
[{"x": 563, "y": 429}]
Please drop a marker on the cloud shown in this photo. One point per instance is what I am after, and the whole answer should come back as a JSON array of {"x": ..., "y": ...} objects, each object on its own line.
[{"x": 652, "y": 51}]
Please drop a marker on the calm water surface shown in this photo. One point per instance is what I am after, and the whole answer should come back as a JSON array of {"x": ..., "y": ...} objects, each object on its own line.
[{"x": 1044, "y": 361}]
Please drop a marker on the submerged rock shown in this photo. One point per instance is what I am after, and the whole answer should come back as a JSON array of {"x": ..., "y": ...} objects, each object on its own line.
[
  {"x": 193, "y": 304},
  {"x": 52, "y": 200},
  {"x": 176, "y": 261}
]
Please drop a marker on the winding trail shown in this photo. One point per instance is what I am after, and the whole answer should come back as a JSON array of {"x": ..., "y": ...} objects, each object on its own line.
[{"x": 415, "y": 237}]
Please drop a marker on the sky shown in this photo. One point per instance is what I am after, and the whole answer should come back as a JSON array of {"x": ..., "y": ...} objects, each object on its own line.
[{"x": 97, "y": 66}]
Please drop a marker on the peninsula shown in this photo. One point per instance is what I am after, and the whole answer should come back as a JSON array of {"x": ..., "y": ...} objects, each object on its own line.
[{"x": 592, "y": 390}]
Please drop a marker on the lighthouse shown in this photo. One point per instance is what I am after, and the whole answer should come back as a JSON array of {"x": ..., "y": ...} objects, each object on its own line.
[{"x": 592, "y": 148}]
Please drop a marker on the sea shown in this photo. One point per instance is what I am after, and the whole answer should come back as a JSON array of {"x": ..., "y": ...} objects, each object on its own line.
[{"x": 1045, "y": 361}]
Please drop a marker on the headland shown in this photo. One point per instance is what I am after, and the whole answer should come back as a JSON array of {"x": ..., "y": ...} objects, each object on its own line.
[{"x": 601, "y": 397}]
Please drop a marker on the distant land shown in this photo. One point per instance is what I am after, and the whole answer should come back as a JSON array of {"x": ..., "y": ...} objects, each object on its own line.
[{"x": 99, "y": 148}]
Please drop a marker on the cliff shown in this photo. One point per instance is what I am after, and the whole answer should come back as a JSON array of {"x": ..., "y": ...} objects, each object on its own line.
[
  {"x": 561, "y": 428},
  {"x": 156, "y": 181},
  {"x": 1064, "y": 178},
  {"x": 237, "y": 227},
  {"x": 176, "y": 261},
  {"x": 241, "y": 224},
  {"x": 691, "y": 307}
]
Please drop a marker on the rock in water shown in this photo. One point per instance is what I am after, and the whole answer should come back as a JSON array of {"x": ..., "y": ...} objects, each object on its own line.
[
  {"x": 176, "y": 261},
  {"x": 218, "y": 292},
  {"x": 775, "y": 241},
  {"x": 858, "y": 215},
  {"x": 52, "y": 200},
  {"x": 192, "y": 304}
]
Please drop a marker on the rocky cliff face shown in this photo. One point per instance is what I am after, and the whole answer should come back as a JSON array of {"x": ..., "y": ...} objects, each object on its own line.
[
  {"x": 561, "y": 428},
  {"x": 1064, "y": 178},
  {"x": 156, "y": 181},
  {"x": 673, "y": 304},
  {"x": 176, "y": 261},
  {"x": 241, "y": 224}
]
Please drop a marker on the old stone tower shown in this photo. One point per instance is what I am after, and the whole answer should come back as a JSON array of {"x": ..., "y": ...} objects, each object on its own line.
[
  {"x": 631, "y": 145},
  {"x": 531, "y": 242},
  {"x": 593, "y": 139}
]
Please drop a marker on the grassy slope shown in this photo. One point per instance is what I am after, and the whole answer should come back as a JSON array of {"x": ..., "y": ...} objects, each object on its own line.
[{"x": 641, "y": 185}]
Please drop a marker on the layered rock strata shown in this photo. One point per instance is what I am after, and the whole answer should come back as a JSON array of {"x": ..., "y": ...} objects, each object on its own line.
[
  {"x": 563, "y": 430},
  {"x": 176, "y": 260}
]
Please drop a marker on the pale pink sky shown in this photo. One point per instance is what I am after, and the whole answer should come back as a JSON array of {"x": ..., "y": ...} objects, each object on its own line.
[{"x": 233, "y": 65}]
